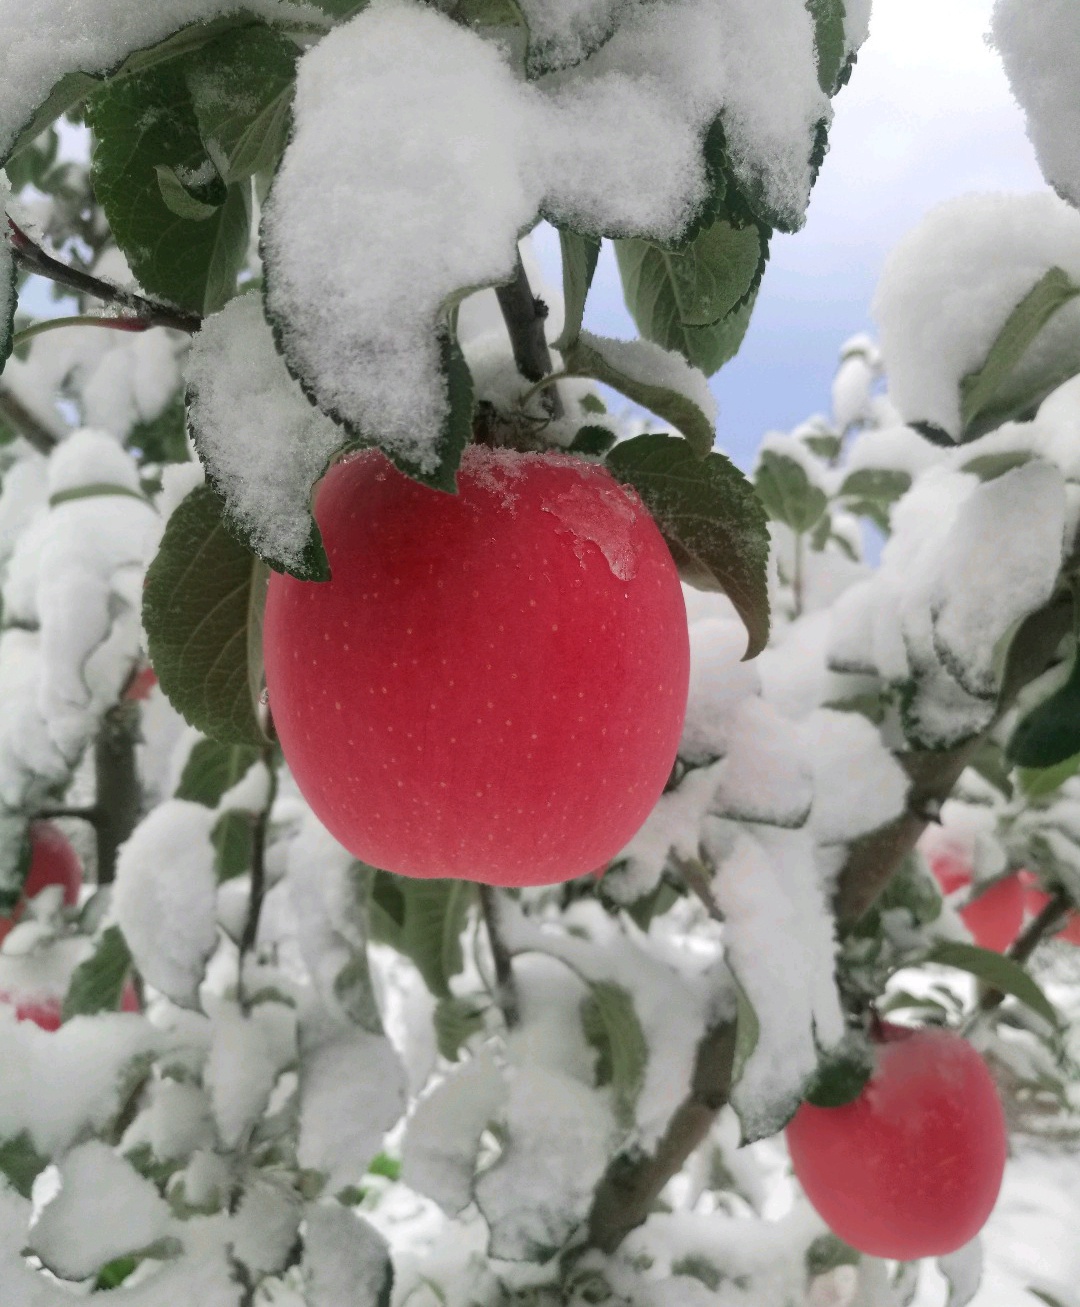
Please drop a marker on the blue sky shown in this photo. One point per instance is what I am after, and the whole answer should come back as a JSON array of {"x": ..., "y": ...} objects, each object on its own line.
[{"x": 927, "y": 115}]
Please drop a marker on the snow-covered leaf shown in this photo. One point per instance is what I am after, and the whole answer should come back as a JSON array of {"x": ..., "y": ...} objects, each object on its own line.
[
  {"x": 201, "y": 607},
  {"x": 997, "y": 971},
  {"x": 787, "y": 492},
  {"x": 456, "y": 1020},
  {"x": 241, "y": 90},
  {"x": 579, "y": 258},
  {"x": 21, "y": 1163},
  {"x": 263, "y": 444},
  {"x": 98, "y": 983},
  {"x": 141, "y": 123},
  {"x": 346, "y": 1261},
  {"x": 423, "y": 919},
  {"x": 986, "y": 398},
  {"x": 165, "y": 897},
  {"x": 212, "y": 768},
  {"x": 963, "y": 1270},
  {"x": 684, "y": 299},
  {"x": 613, "y": 1029},
  {"x": 652, "y": 376},
  {"x": 831, "y": 42},
  {"x": 248, "y": 1051},
  {"x": 710, "y": 517}
]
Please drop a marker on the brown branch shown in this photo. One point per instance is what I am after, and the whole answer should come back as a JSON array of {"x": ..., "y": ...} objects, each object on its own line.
[
  {"x": 33, "y": 429},
  {"x": 505, "y": 988},
  {"x": 524, "y": 315},
  {"x": 630, "y": 1187},
  {"x": 151, "y": 313}
]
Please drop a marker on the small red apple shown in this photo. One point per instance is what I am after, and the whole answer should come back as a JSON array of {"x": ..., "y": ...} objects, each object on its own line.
[
  {"x": 141, "y": 684},
  {"x": 129, "y": 997},
  {"x": 912, "y": 1167},
  {"x": 493, "y": 684},
  {"x": 995, "y": 915},
  {"x": 52, "y": 862}
]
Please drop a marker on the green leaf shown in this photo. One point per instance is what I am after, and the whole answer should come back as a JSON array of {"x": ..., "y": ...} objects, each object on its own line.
[
  {"x": 635, "y": 373},
  {"x": 997, "y": 971},
  {"x": 830, "y": 42},
  {"x": 612, "y": 1027},
  {"x": 21, "y": 1163},
  {"x": 594, "y": 440},
  {"x": 456, "y": 1020},
  {"x": 143, "y": 124},
  {"x": 233, "y": 838},
  {"x": 114, "y": 1273},
  {"x": 179, "y": 200},
  {"x": 1050, "y": 734},
  {"x": 986, "y": 397},
  {"x": 202, "y": 610},
  {"x": 162, "y": 439},
  {"x": 1037, "y": 782},
  {"x": 710, "y": 517},
  {"x": 212, "y": 768},
  {"x": 424, "y": 920},
  {"x": 579, "y": 257},
  {"x": 98, "y": 983},
  {"x": 488, "y": 13},
  {"x": 988, "y": 467},
  {"x": 242, "y": 88},
  {"x": 787, "y": 492},
  {"x": 827, "y": 1252},
  {"x": 684, "y": 299},
  {"x": 881, "y": 483},
  {"x": 841, "y": 1076},
  {"x": 93, "y": 491}
]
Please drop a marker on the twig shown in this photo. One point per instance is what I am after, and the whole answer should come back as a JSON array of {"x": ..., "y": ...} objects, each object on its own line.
[
  {"x": 258, "y": 868},
  {"x": 630, "y": 1186},
  {"x": 151, "y": 312},
  {"x": 117, "y": 323},
  {"x": 505, "y": 988},
  {"x": 524, "y": 315},
  {"x": 32, "y": 429},
  {"x": 1044, "y": 924}
]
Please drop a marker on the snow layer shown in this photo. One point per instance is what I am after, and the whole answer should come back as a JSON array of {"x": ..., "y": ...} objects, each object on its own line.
[
  {"x": 165, "y": 896},
  {"x": 1040, "y": 48},
  {"x": 346, "y": 1262},
  {"x": 105, "y": 1209},
  {"x": 248, "y": 1052},
  {"x": 614, "y": 145},
  {"x": 949, "y": 286},
  {"x": 858, "y": 784},
  {"x": 263, "y": 443}
]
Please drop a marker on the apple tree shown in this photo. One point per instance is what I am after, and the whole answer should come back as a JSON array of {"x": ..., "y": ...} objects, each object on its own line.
[{"x": 454, "y": 823}]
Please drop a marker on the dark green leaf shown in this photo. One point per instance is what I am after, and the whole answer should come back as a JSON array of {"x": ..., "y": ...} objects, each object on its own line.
[
  {"x": 21, "y": 1163},
  {"x": 142, "y": 124},
  {"x": 841, "y": 1076},
  {"x": 1050, "y": 733},
  {"x": 827, "y": 1252},
  {"x": 242, "y": 88},
  {"x": 579, "y": 256},
  {"x": 212, "y": 768},
  {"x": 113, "y": 1274},
  {"x": 202, "y": 608},
  {"x": 593, "y": 440},
  {"x": 646, "y": 909},
  {"x": 684, "y": 299},
  {"x": 987, "y": 467},
  {"x": 612, "y": 1027},
  {"x": 997, "y": 971},
  {"x": 233, "y": 839},
  {"x": 934, "y": 434},
  {"x": 881, "y": 483},
  {"x": 832, "y": 53},
  {"x": 424, "y": 920},
  {"x": 98, "y": 983},
  {"x": 787, "y": 492},
  {"x": 592, "y": 404},
  {"x": 456, "y": 1020},
  {"x": 488, "y": 13},
  {"x": 179, "y": 200},
  {"x": 825, "y": 445},
  {"x": 633, "y": 373},
  {"x": 986, "y": 396},
  {"x": 382, "y": 1164},
  {"x": 711, "y": 519}
]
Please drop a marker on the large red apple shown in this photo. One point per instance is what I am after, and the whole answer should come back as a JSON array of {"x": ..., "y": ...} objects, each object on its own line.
[
  {"x": 52, "y": 862},
  {"x": 912, "y": 1167},
  {"x": 493, "y": 684}
]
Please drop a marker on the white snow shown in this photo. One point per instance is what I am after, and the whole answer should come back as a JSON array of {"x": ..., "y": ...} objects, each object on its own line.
[
  {"x": 104, "y": 1210},
  {"x": 165, "y": 896},
  {"x": 248, "y": 1052},
  {"x": 262, "y": 441},
  {"x": 345, "y": 1260},
  {"x": 950, "y": 285},
  {"x": 858, "y": 784},
  {"x": 653, "y": 366},
  {"x": 266, "y": 1224},
  {"x": 719, "y": 680},
  {"x": 765, "y": 775},
  {"x": 1039, "y": 45}
]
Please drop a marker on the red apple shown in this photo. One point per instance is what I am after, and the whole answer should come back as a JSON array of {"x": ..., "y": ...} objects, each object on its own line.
[
  {"x": 141, "y": 684},
  {"x": 129, "y": 997},
  {"x": 995, "y": 916},
  {"x": 951, "y": 871},
  {"x": 912, "y": 1167},
  {"x": 46, "y": 1014},
  {"x": 52, "y": 862},
  {"x": 1036, "y": 899},
  {"x": 493, "y": 684}
]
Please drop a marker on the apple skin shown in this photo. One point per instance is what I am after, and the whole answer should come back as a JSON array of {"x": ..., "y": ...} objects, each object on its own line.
[
  {"x": 995, "y": 916},
  {"x": 52, "y": 862},
  {"x": 141, "y": 685},
  {"x": 912, "y": 1168},
  {"x": 479, "y": 692}
]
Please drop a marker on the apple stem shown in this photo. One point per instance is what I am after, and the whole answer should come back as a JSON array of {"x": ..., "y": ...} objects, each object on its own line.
[
  {"x": 524, "y": 314},
  {"x": 505, "y": 988},
  {"x": 151, "y": 313}
]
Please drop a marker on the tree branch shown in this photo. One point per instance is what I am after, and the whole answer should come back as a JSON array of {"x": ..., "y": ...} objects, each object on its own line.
[
  {"x": 32, "y": 429},
  {"x": 119, "y": 795},
  {"x": 630, "y": 1186},
  {"x": 505, "y": 989},
  {"x": 151, "y": 313},
  {"x": 260, "y": 829},
  {"x": 524, "y": 315},
  {"x": 1045, "y": 923}
]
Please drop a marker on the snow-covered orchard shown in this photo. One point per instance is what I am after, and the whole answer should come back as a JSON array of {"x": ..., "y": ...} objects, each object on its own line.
[{"x": 375, "y": 928}]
